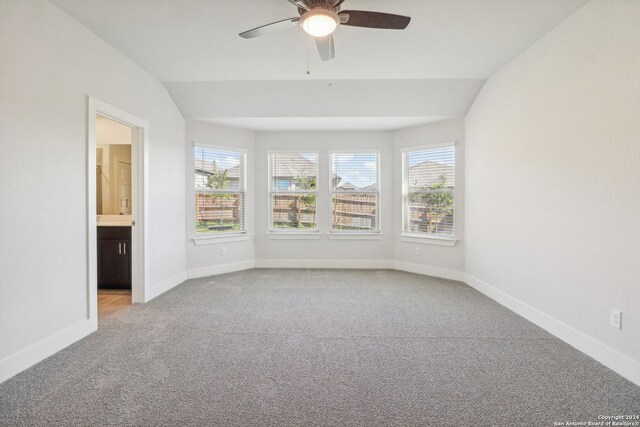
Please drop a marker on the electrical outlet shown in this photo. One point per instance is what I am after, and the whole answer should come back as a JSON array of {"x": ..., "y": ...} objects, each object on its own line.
[
  {"x": 223, "y": 251},
  {"x": 418, "y": 253},
  {"x": 616, "y": 318}
]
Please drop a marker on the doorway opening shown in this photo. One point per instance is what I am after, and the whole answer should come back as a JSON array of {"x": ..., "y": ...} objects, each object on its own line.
[
  {"x": 113, "y": 214},
  {"x": 117, "y": 182}
]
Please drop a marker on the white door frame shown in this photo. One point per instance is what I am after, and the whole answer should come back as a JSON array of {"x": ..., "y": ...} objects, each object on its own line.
[{"x": 140, "y": 202}]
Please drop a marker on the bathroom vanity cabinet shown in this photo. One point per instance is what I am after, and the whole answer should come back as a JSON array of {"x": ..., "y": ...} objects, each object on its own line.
[{"x": 114, "y": 257}]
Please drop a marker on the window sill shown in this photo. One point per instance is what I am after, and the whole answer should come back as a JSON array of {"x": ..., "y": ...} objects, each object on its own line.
[
  {"x": 222, "y": 238},
  {"x": 293, "y": 235},
  {"x": 355, "y": 236},
  {"x": 429, "y": 240}
]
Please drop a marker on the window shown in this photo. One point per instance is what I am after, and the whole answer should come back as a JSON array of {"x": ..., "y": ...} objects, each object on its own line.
[
  {"x": 220, "y": 190},
  {"x": 428, "y": 191},
  {"x": 293, "y": 191},
  {"x": 355, "y": 192}
]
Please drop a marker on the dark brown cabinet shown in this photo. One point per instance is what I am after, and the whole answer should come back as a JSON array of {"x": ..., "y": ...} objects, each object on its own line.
[{"x": 114, "y": 257}]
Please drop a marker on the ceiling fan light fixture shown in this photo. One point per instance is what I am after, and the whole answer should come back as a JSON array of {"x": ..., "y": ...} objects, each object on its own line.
[{"x": 320, "y": 22}]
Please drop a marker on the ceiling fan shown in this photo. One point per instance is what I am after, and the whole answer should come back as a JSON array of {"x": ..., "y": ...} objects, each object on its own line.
[{"x": 320, "y": 18}]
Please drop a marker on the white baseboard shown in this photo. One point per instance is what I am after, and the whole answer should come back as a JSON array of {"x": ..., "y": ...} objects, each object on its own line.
[
  {"x": 164, "y": 286},
  {"x": 27, "y": 357},
  {"x": 220, "y": 269},
  {"x": 613, "y": 359},
  {"x": 428, "y": 270},
  {"x": 325, "y": 263}
]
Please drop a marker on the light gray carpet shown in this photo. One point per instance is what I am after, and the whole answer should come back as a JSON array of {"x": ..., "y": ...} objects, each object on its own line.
[{"x": 316, "y": 347}]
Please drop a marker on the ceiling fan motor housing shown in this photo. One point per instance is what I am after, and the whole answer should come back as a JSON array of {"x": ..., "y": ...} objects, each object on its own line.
[{"x": 333, "y": 5}]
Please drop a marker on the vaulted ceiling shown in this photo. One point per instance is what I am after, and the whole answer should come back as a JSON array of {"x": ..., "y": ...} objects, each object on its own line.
[{"x": 437, "y": 65}]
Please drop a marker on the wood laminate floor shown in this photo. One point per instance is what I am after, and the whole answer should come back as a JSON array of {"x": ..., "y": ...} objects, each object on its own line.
[{"x": 112, "y": 300}]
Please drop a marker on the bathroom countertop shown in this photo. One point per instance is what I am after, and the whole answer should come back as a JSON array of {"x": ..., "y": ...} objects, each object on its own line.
[{"x": 113, "y": 221}]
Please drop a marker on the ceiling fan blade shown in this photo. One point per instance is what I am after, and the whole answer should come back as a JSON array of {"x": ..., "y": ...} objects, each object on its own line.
[
  {"x": 285, "y": 24},
  {"x": 388, "y": 21},
  {"x": 299, "y": 3},
  {"x": 326, "y": 47}
]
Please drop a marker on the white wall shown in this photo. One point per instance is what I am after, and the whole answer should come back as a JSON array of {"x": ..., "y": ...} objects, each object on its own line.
[
  {"x": 553, "y": 181},
  {"x": 50, "y": 63},
  {"x": 323, "y": 249},
  {"x": 449, "y": 260},
  {"x": 204, "y": 260}
]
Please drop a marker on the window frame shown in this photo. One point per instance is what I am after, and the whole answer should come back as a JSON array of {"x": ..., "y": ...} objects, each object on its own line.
[
  {"x": 425, "y": 237},
  {"x": 203, "y": 238},
  {"x": 277, "y": 233},
  {"x": 364, "y": 234}
]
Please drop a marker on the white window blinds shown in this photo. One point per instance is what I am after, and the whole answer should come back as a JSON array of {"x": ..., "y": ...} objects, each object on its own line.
[
  {"x": 428, "y": 191},
  {"x": 293, "y": 191},
  {"x": 355, "y": 192},
  {"x": 220, "y": 190}
]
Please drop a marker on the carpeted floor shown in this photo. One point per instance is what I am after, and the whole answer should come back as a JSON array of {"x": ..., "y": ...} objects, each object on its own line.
[{"x": 316, "y": 347}]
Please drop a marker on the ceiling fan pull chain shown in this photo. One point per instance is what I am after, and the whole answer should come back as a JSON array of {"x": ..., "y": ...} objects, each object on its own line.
[{"x": 308, "y": 58}]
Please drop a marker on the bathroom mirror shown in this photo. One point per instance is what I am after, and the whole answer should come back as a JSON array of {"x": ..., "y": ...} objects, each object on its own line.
[{"x": 113, "y": 168}]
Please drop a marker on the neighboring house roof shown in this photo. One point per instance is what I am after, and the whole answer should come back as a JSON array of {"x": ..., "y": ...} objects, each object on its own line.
[
  {"x": 347, "y": 186},
  {"x": 292, "y": 166},
  {"x": 372, "y": 187},
  {"x": 429, "y": 173},
  {"x": 206, "y": 168}
]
